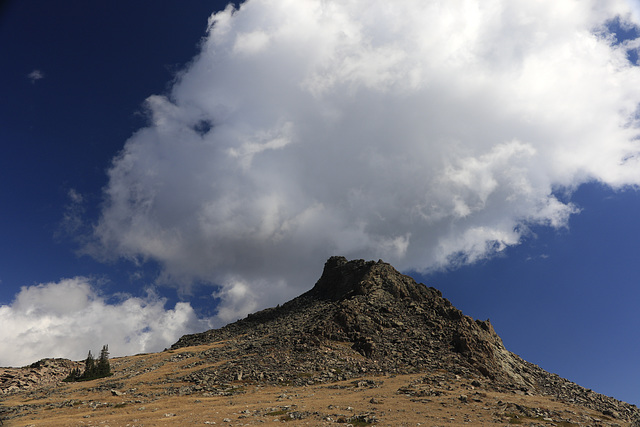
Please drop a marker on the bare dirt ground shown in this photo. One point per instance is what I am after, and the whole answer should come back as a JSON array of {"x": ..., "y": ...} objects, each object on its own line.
[{"x": 145, "y": 391}]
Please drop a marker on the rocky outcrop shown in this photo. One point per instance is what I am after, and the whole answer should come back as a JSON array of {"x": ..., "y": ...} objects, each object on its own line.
[
  {"x": 367, "y": 317},
  {"x": 41, "y": 373},
  {"x": 395, "y": 323},
  {"x": 360, "y": 325}
]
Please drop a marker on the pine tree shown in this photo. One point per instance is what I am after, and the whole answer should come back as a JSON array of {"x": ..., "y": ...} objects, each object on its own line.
[
  {"x": 92, "y": 369},
  {"x": 89, "y": 367},
  {"x": 74, "y": 375},
  {"x": 103, "y": 369}
]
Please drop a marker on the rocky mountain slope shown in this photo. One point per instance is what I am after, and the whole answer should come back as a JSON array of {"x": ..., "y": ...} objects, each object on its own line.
[
  {"x": 365, "y": 345},
  {"x": 397, "y": 325},
  {"x": 38, "y": 374}
]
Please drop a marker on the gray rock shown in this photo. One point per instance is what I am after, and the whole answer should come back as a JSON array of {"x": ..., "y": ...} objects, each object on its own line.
[{"x": 364, "y": 316}]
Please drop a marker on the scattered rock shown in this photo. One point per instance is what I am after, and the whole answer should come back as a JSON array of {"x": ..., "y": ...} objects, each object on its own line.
[
  {"x": 364, "y": 316},
  {"x": 360, "y": 323},
  {"x": 41, "y": 373}
]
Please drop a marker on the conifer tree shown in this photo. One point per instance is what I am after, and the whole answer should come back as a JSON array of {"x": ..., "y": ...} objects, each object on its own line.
[
  {"x": 74, "y": 375},
  {"x": 89, "y": 367},
  {"x": 103, "y": 369},
  {"x": 92, "y": 369}
]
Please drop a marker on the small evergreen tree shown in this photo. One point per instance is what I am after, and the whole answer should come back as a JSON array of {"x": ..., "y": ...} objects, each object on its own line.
[
  {"x": 74, "y": 375},
  {"x": 103, "y": 368},
  {"x": 89, "y": 367},
  {"x": 92, "y": 369}
]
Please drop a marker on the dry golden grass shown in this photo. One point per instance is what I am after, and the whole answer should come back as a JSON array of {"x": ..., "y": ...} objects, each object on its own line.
[{"x": 144, "y": 380}]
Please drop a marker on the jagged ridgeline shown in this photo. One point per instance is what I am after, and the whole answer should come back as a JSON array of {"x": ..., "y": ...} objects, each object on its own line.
[{"x": 366, "y": 317}]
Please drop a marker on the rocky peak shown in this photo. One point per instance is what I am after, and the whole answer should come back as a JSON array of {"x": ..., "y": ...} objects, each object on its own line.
[
  {"x": 342, "y": 279},
  {"x": 386, "y": 316},
  {"x": 365, "y": 316},
  {"x": 360, "y": 318}
]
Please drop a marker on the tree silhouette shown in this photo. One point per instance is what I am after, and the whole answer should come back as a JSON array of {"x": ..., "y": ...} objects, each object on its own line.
[
  {"x": 92, "y": 369},
  {"x": 74, "y": 375},
  {"x": 89, "y": 366},
  {"x": 103, "y": 369}
]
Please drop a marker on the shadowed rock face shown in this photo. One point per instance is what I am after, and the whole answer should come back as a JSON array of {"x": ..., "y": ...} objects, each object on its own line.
[
  {"x": 342, "y": 279},
  {"x": 387, "y": 314},
  {"x": 365, "y": 316}
]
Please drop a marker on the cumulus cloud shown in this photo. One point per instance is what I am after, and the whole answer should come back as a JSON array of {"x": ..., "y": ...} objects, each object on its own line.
[
  {"x": 70, "y": 317},
  {"x": 422, "y": 132}
]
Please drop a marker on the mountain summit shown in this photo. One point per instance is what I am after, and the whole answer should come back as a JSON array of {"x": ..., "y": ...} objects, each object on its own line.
[
  {"x": 342, "y": 279},
  {"x": 365, "y": 316},
  {"x": 366, "y": 345},
  {"x": 395, "y": 324}
]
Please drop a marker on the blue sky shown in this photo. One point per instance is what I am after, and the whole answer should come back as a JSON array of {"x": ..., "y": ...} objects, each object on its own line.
[{"x": 171, "y": 173}]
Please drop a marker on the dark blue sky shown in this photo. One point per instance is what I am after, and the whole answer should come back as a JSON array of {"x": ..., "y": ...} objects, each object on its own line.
[
  {"x": 566, "y": 298},
  {"x": 100, "y": 61}
]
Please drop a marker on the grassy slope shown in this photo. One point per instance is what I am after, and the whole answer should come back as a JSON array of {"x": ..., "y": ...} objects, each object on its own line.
[{"x": 149, "y": 394}]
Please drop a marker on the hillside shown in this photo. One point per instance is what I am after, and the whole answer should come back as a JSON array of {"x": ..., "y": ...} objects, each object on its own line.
[{"x": 365, "y": 345}]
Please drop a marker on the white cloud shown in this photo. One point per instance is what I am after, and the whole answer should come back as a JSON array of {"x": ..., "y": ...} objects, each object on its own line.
[
  {"x": 237, "y": 299},
  {"x": 72, "y": 223},
  {"x": 69, "y": 318},
  {"x": 35, "y": 75},
  {"x": 420, "y": 132}
]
